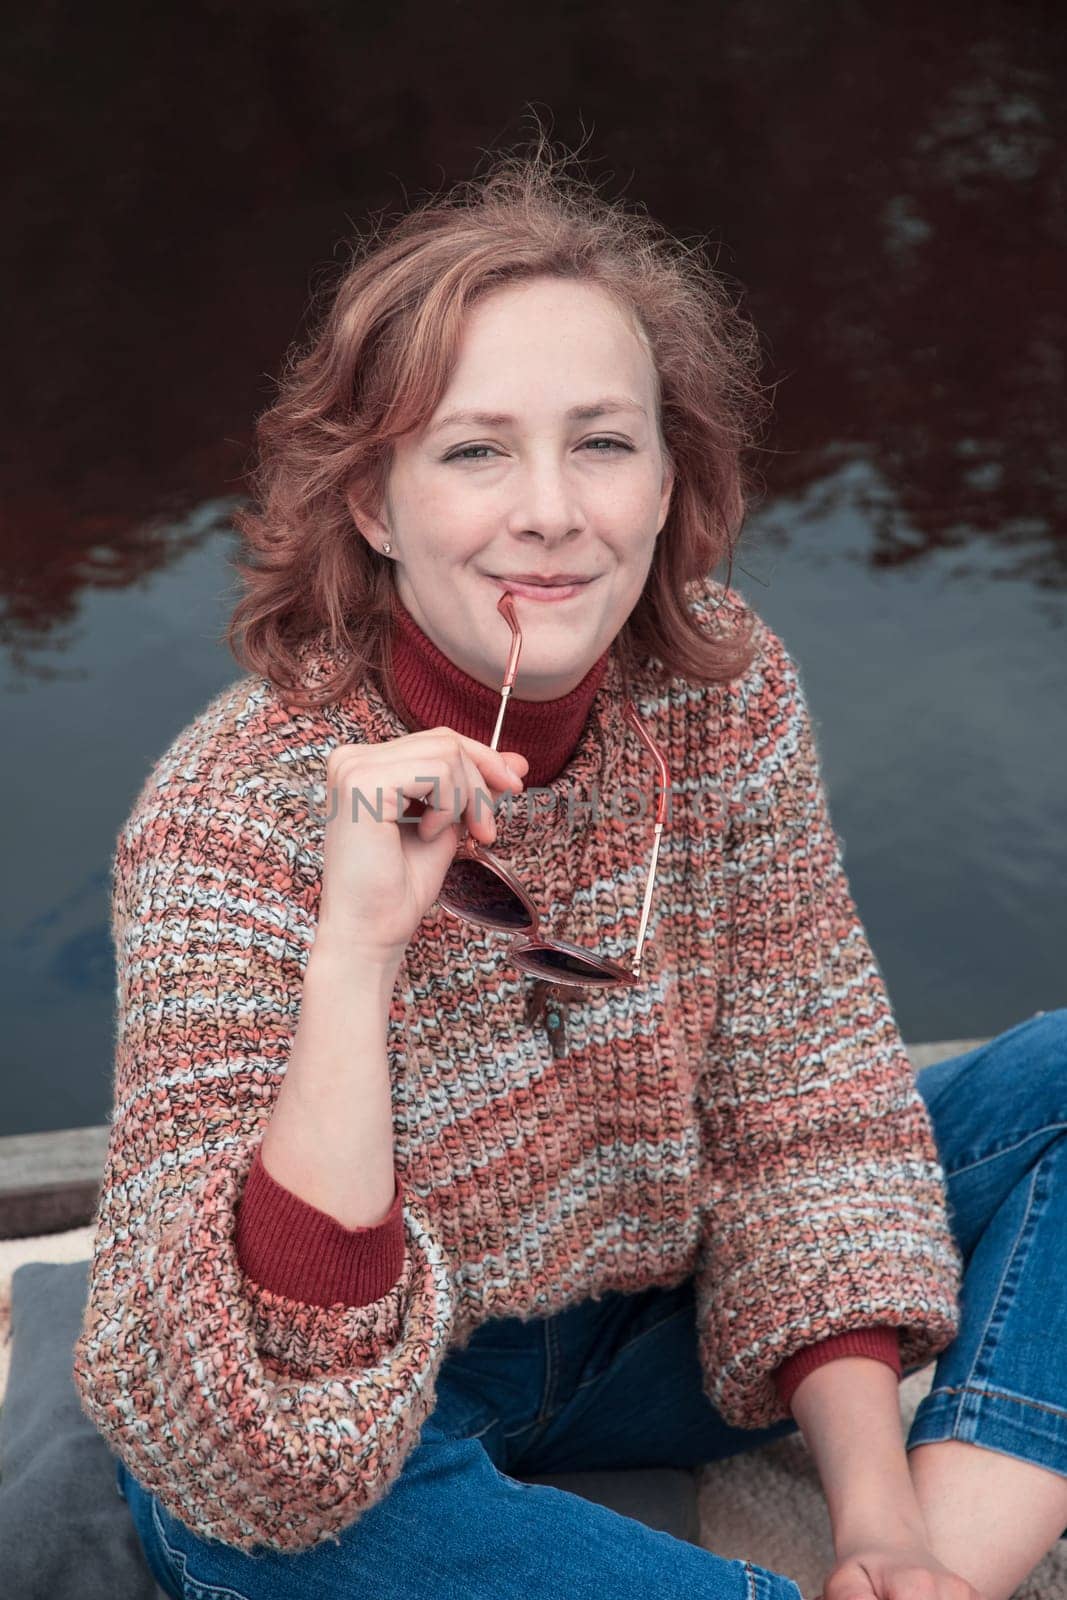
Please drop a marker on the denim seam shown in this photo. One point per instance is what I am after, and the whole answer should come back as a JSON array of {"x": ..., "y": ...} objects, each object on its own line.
[
  {"x": 545, "y": 1415},
  {"x": 514, "y": 1432},
  {"x": 1008, "y": 1264},
  {"x": 756, "y": 1589},
  {"x": 490, "y": 1424},
  {"x": 1051, "y": 1127},
  {"x": 173, "y": 1556},
  {"x": 179, "y": 1570},
  {"x": 996, "y": 1394}
]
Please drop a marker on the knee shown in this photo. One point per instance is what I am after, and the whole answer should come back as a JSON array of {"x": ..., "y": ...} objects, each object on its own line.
[
  {"x": 1044, "y": 1037},
  {"x": 1047, "y": 1031}
]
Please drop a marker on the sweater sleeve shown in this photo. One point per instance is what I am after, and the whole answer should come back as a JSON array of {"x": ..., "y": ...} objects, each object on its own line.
[
  {"x": 880, "y": 1344},
  {"x": 827, "y": 1208},
  {"x": 292, "y": 1248},
  {"x": 258, "y": 1418}
]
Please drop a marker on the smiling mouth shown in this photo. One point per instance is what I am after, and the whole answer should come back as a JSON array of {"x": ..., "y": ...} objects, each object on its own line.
[{"x": 543, "y": 592}]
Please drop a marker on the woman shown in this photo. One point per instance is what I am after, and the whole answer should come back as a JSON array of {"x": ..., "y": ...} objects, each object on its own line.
[{"x": 396, "y": 1206}]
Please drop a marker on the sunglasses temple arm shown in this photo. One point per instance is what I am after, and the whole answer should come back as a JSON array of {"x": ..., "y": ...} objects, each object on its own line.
[
  {"x": 500, "y": 715},
  {"x": 661, "y": 817},
  {"x": 658, "y": 834}
]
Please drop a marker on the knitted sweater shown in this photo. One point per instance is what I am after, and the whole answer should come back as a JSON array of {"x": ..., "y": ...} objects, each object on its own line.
[
  {"x": 747, "y": 1117},
  {"x": 297, "y": 1250}
]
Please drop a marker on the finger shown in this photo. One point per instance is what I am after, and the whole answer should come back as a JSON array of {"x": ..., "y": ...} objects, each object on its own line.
[
  {"x": 446, "y": 800},
  {"x": 486, "y": 777},
  {"x": 494, "y": 763},
  {"x": 479, "y": 815},
  {"x": 463, "y": 797}
]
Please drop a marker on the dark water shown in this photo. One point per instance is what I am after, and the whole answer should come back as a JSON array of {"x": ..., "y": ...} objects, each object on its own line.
[{"x": 890, "y": 196}]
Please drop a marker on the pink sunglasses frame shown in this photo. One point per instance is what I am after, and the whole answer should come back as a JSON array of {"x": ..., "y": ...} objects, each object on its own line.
[{"x": 520, "y": 951}]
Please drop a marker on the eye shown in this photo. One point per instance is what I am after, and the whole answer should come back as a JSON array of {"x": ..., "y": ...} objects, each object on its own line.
[{"x": 463, "y": 454}]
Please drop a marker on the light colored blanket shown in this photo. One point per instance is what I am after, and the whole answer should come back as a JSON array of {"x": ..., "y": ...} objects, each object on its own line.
[
  {"x": 75, "y": 1245},
  {"x": 766, "y": 1506}
]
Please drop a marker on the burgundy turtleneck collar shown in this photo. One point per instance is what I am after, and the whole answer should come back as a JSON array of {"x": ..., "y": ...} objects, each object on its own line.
[{"x": 437, "y": 693}]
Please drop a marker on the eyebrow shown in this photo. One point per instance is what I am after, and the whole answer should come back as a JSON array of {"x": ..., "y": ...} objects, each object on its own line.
[{"x": 581, "y": 413}]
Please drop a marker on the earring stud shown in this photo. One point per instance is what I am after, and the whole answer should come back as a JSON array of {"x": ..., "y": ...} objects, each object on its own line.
[{"x": 387, "y": 548}]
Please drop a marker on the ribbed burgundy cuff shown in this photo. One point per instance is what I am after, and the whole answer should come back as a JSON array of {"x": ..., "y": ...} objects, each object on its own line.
[
  {"x": 881, "y": 1343},
  {"x": 294, "y": 1249}
]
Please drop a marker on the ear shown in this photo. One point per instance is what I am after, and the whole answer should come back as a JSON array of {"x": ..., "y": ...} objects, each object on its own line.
[{"x": 371, "y": 527}]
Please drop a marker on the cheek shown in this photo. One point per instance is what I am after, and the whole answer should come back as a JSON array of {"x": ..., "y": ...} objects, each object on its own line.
[
  {"x": 632, "y": 505},
  {"x": 447, "y": 537},
  {"x": 631, "y": 536},
  {"x": 454, "y": 527}
]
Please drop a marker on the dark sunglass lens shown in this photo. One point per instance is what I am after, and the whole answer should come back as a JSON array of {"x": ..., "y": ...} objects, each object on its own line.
[
  {"x": 550, "y": 963},
  {"x": 475, "y": 890}
]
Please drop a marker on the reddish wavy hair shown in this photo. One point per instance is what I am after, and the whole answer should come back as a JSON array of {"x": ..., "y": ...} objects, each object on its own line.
[{"x": 377, "y": 364}]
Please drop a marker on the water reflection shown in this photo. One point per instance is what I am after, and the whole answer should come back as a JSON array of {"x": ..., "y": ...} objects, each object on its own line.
[{"x": 890, "y": 197}]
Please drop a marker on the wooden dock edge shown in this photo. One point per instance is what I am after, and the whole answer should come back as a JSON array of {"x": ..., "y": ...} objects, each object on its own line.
[{"x": 50, "y": 1182}]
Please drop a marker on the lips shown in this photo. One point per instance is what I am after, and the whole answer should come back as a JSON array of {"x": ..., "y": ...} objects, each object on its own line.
[
  {"x": 545, "y": 593},
  {"x": 563, "y": 580}
]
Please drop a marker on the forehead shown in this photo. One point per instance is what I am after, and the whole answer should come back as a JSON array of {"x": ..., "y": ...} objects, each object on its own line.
[{"x": 554, "y": 335}]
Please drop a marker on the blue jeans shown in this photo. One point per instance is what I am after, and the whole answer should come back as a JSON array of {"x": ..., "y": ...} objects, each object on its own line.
[{"x": 616, "y": 1383}]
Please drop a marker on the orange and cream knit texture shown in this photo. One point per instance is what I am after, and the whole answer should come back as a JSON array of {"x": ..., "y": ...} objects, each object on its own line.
[{"x": 748, "y": 1116}]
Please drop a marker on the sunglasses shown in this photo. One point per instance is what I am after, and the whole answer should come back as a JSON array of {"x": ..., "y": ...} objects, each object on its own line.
[{"x": 478, "y": 888}]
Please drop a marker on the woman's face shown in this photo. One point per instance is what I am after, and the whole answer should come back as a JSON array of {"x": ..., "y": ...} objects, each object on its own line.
[{"x": 468, "y": 501}]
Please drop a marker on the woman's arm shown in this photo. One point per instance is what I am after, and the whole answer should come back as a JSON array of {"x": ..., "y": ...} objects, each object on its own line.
[
  {"x": 330, "y": 1134},
  {"x": 304, "y": 1413},
  {"x": 321, "y": 1215},
  {"x": 849, "y": 1414},
  {"x": 826, "y": 1210}
]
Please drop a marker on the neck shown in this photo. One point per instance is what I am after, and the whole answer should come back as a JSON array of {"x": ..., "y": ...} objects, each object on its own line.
[{"x": 436, "y": 693}]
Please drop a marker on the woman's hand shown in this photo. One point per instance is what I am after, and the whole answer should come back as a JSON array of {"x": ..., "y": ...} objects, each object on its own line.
[
  {"x": 381, "y": 874},
  {"x": 894, "y": 1571}
]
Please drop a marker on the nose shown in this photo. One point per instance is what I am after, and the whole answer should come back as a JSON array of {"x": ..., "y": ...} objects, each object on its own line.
[{"x": 547, "y": 504}]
